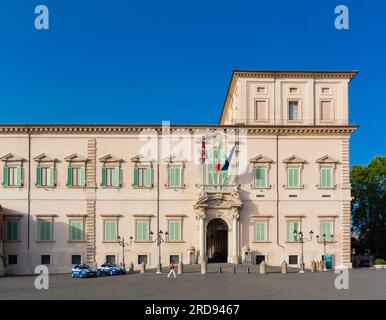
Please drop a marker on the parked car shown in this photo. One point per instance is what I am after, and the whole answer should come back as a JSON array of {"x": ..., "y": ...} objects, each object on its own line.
[
  {"x": 83, "y": 271},
  {"x": 111, "y": 269}
]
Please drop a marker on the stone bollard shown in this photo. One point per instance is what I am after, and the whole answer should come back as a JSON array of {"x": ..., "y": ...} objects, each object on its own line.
[
  {"x": 131, "y": 267},
  {"x": 317, "y": 266},
  {"x": 219, "y": 270},
  {"x": 142, "y": 267},
  {"x": 284, "y": 267},
  {"x": 247, "y": 270},
  {"x": 180, "y": 268},
  {"x": 263, "y": 267},
  {"x": 234, "y": 270},
  {"x": 321, "y": 265},
  {"x": 313, "y": 266},
  {"x": 203, "y": 267}
]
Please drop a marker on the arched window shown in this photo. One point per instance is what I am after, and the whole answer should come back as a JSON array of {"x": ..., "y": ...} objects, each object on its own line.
[{"x": 213, "y": 178}]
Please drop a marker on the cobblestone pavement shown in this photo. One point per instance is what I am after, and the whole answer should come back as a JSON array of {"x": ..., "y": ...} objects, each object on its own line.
[{"x": 363, "y": 284}]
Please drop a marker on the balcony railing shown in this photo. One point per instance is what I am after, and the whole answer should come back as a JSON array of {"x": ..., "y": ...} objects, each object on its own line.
[{"x": 218, "y": 188}]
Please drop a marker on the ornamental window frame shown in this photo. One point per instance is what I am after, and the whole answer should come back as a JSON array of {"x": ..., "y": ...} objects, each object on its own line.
[
  {"x": 111, "y": 163},
  {"x": 294, "y": 162},
  {"x": 15, "y": 162},
  {"x": 327, "y": 162},
  {"x": 261, "y": 161}
]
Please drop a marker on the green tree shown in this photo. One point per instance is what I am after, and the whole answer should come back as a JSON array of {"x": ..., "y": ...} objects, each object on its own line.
[{"x": 368, "y": 208}]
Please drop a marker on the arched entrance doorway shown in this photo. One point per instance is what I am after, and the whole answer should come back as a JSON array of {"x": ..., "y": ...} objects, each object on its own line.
[{"x": 217, "y": 241}]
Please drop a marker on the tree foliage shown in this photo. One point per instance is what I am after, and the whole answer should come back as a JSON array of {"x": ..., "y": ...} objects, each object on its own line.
[{"x": 368, "y": 208}]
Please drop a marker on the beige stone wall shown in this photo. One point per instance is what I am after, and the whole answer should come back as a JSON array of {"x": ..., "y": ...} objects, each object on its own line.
[{"x": 95, "y": 203}]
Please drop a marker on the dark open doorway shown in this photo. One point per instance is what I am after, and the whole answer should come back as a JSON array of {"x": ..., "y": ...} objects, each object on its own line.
[{"x": 217, "y": 241}]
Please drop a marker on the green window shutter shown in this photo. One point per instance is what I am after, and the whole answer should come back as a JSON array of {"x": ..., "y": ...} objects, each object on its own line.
[
  {"x": 142, "y": 230},
  {"x": 149, "y": 176},
  {"x": 117, "y": 177},
  {"x": 110, "y": 230},
  {"x": 136, "y": 177},
  {"x": 174, "y": 230},
  {"x": 52, "y": 181},
  {"x": 104, "y": 177},
  {"x": 260, "y": 231},
  {"x": 211, "y": 175},
  {"x": 69, "y": 176},
  {"x": 139, "y": 231},
  {"x": 77, "y": 230},
  {"x": 326, "y": 229},
  {"x": 5, "y": 175},
  {"x": 293, "y": 177},
  {"x": 82, "y": 176},
  {"x": 38, "y": 176},
  {"x": 174, "y": 177},
  {"x": 326, "y": 177},
  {"x": 19, "y": 175},
  {"x": 260, "y": 177},
  {"x": 292, "y": 226},
  {"x": 45, "y": 230},
  {"x": 12, "y": 230}
]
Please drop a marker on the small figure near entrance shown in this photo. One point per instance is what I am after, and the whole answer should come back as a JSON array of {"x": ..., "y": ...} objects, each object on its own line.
[{"x": 172, "y": 267}]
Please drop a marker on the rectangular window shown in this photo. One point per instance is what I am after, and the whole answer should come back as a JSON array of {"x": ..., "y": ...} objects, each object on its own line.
[
  {"x": 76, "y": 230},
  {"x": 293, "y": 177},
  {"x": 260, "y": 228},
  {"x": 110, "y": 259},
  {"x": 325, "y": 110},
  {"x": 174, "y": 259},
  {"x": 12, "y": 230},
  {"x": 45, "y": 259},
  {"x": 143, "y": 177},
  {"x": 174, "y": 230},
  {"x": 260, "y": 259},
  {"x": 12, "y": 259},
  {"x": 142, "y": 259},
  {"x": 260, "y": 177},
  {"x": 293, "y": 110},
  {"x": 76, "y": 259},
  {"x": 326, "y": 229},
  {"x": 142, "y": 230},
  {"x": 45, "y": 176},
  {"x": 12, "y": 176},
  {"x": 76, "y": 176},
  {"x": 326, "y": 177},
  {"x": 45, "y": 230},
  {"x": 174, "y": 177},
  {"x": 111, "y": 177},
  {"x": 110, "y": 230},
  {"x": 293, "y": 259},
  {"x": 261, "y": 110},
  {"x": 292, "y": 227}
]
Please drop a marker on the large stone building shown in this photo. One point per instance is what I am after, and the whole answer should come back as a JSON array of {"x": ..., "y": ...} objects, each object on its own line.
[{"x": 69, "y": 191}]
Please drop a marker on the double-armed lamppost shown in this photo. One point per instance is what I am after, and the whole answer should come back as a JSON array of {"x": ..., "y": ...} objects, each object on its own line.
[
  {"x": 123, "y": 244},
  {"x": 300, "y": 238},
  {"x": 160, "y": 238},
  {"x": 324, "y": 247}
]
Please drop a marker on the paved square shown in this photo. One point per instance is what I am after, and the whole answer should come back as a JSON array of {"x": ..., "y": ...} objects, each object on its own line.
[{"x": 363, "y": 284}]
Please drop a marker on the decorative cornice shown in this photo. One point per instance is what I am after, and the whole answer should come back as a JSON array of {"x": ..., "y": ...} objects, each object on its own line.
[{"x": 137, "y": 129}]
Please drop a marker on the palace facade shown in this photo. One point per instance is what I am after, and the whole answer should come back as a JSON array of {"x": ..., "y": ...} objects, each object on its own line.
[{"x": 69, "y": 193}]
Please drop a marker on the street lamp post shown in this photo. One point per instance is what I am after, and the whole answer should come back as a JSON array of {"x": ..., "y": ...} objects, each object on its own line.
[
  {"x": 324, "y": 247},
  {"x": 123, "y": 244},
  {"x": 160, "y": 238},
  {"x": 300, "y": 238}
]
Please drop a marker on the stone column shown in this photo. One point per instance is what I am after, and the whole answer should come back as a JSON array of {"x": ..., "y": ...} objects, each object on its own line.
[
  {"x": 202, "y": 242},
  {"x": 235, "y": 237}
]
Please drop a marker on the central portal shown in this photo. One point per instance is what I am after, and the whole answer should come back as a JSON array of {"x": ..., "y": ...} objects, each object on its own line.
[{"x": 217, "y": 241}]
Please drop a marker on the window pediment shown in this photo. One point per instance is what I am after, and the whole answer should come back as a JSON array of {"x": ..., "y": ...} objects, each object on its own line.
[
  {"x": 294, "y": 159},
  {"x": 110, "y": 159},
  {"x": 44, "y": 158},
  {"x": 327, "y": 159},
  {"x": 75, "y": 158},
  {"x": 261, "y": 159},
  {"x": 10, "y": 157}
]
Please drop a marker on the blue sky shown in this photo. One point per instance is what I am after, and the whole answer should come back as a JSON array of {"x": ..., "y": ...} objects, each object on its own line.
[{"x": 122, "y": 61}]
